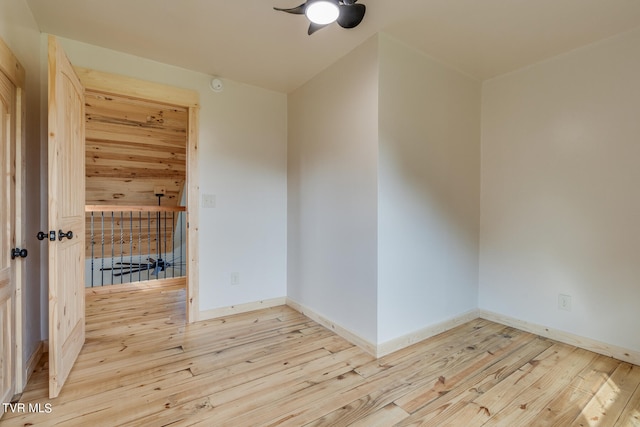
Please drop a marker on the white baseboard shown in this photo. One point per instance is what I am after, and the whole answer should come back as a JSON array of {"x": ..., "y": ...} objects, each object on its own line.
[
  {"x": 380, "y": 350},
  {"x": 391, "y": 345},
  {"x": 424, "y": 333},
  {"x": 599, "y": 347},
  {"x": 240, "y": 308},
  {"x": 350, "y": 336}
]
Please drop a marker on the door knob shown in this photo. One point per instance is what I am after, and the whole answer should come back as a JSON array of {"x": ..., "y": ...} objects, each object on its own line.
[
  {"x": 17, "y": 252},
  {"x": 42, "y": 235},
  {"x": 62, "y": 235}
]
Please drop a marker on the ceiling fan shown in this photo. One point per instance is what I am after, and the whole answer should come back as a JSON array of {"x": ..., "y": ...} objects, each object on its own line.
[{"x": 321, "y": 13}]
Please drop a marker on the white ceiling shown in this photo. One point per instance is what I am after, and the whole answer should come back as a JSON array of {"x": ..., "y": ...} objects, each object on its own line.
[{"x": 247, "y": 41}]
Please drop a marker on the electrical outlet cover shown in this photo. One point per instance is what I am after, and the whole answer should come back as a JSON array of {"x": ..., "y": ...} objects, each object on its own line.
[{"x": 564, "y": 302}]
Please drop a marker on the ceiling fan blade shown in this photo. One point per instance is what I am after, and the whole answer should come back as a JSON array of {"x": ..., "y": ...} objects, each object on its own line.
[
  {"x": 351, "y": 15},
  {"x": 299, "y": 10},
  {"x": 315, "y": 27}
]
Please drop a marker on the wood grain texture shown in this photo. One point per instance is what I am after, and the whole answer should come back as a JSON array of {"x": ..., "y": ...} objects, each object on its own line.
[
  {"x": 66, "y": 200},
  {"x": 144, "y": 365},
  {"x": 118, "y": 84},
  {"x": 193, "y": 217},
  {"x": 134, "y": 146},
  {"x": 10, "y": 66},
  {"x": 170, "y": 128},
  {"x": 10, "y": 231}
]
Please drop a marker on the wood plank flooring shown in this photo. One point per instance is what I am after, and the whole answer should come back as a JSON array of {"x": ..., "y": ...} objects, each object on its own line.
[{"x": 142, "y": 365}]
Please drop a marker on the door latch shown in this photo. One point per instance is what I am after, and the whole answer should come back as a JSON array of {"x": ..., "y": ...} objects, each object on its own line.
[
  {"x": 42, "y": 235},
  {"x": 62, "y": 235},
  {"x": 17, "y": 252}
]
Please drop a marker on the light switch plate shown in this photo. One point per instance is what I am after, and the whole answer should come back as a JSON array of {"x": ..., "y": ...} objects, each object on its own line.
[{"x": 209, "y": 201}]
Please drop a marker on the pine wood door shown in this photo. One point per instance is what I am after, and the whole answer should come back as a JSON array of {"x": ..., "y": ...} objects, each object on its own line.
[
  {"x": 12, "y": 268},
  {"x": 7, "y": 239},
  {"x": 66, "y": 215}
]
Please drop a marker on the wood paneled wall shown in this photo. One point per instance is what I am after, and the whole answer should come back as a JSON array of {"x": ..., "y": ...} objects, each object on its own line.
[{"x": 134, "y": 146}]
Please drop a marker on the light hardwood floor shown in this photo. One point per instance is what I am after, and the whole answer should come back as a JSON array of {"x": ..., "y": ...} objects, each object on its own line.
[{"x": 143, "y": 366}]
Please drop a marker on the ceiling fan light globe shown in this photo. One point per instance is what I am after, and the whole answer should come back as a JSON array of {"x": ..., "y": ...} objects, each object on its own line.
[{"x": 322, "y": 12}]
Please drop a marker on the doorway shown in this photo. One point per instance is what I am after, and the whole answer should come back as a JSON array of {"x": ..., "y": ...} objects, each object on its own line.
[
  {"x": 135, "y": 174},
  {"x": 149, "y": 171},
  {"x": 67, "y": 211}
]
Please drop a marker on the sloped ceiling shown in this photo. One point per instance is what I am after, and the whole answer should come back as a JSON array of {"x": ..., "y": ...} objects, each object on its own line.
[{"x": 247, "y": 41}]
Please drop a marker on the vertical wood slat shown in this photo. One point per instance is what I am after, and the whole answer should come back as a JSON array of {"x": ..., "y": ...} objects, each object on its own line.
[{"x": 193, "y": 219}]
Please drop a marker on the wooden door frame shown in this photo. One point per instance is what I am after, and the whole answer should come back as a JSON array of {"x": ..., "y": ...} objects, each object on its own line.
[
  {"x": 12, "y": 68},
  {"x": 134, "y": 88}
]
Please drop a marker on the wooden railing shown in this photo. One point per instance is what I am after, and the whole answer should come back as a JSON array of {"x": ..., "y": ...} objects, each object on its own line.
[{"x": 134, "y": 243}]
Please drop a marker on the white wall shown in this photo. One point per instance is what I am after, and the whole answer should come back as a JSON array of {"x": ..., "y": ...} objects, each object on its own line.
[
  {"x": 383, "y": 166},
  {"x": 429, "y": 169},
  {"x": 242, "y": 160},
  {"x": 333, "y": 192},
  {"x": 560, "y": 201},
  {"x": 19, "y": 31}
]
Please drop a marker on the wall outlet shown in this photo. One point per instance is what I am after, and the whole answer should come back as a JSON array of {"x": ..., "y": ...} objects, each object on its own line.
[
  {"x": 209, "y": 201},
  {"x": 235, "y": 279},
  {"x": 564, "y": 302}
]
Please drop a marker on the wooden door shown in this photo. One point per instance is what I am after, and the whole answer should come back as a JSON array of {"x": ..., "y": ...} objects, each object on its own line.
[
  {"x": 12, "y": 269},
  {"x": 7, "y": 239},
  {"x": 66, "y": 215}
]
